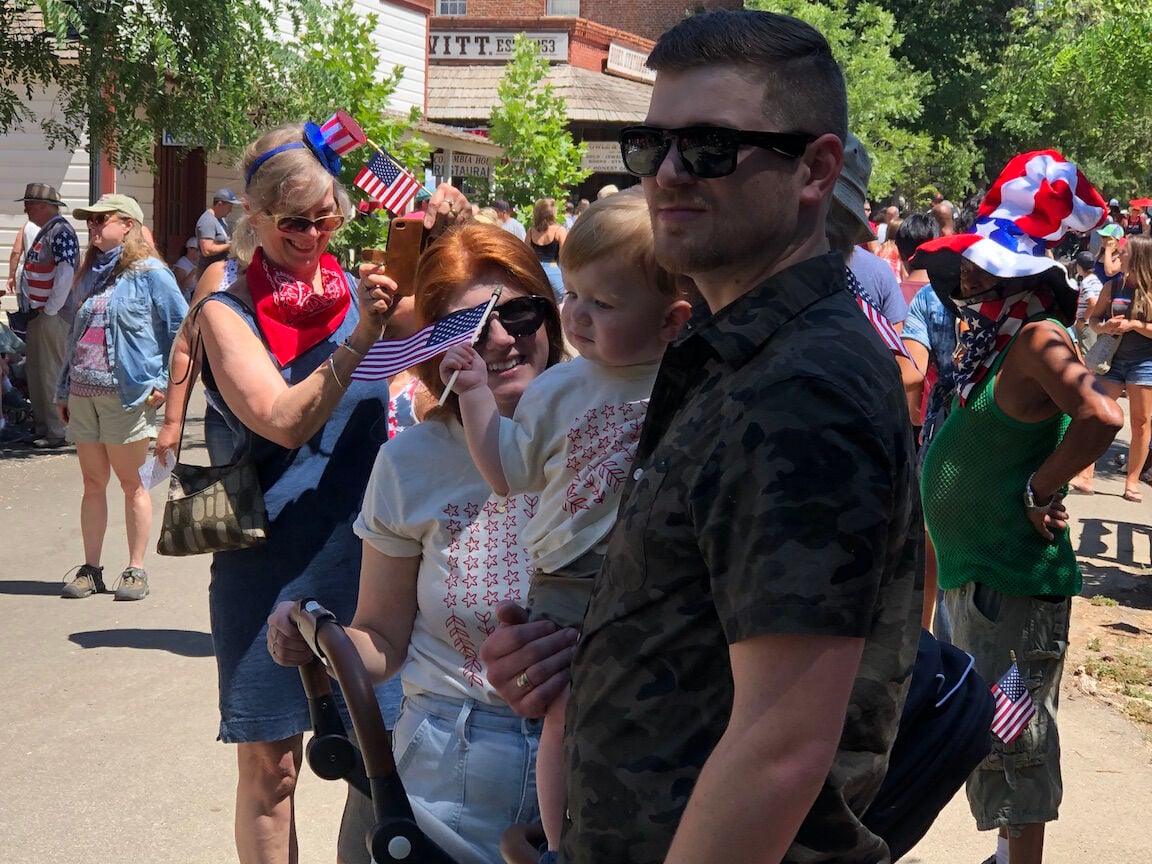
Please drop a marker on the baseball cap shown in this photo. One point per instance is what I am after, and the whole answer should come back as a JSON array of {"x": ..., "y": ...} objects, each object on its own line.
[
  {"x": 852, "y": 185},
  {"x": 1112, "y": 230},
  {"x": 192, "y": 243},
  {"x": 1085, "y": 260},
  {"x": 226, "y": 195},
  {"x": 112, "y": 203},
  {"x": 1113, "y": 203}
]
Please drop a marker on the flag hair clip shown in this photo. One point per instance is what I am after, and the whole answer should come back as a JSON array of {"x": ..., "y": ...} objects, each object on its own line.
[{"x": 339, "y": 135}]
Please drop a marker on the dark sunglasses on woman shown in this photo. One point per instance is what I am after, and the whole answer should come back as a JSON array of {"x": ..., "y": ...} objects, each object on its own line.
[
  {"x": 520, "y": 316},
  {"x": 707, "y": 152},
  {"x": 300, "y": 224},
  {"x": 102, "y": 218}
]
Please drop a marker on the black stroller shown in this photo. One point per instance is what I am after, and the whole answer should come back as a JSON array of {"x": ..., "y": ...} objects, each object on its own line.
[{"x": 399, "y": 834}]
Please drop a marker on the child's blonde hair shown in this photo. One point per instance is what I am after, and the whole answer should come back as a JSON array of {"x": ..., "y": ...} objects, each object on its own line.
[{"x": 617, "y": 227}]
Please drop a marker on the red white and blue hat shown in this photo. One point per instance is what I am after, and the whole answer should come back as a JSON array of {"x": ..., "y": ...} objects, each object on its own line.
[
  {"x": 1037, "y": 199},
  {"x": 339, "y": 134}
]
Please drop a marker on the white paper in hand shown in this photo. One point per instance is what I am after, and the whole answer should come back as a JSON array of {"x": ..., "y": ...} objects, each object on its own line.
[{"x": 152, "y": 473}]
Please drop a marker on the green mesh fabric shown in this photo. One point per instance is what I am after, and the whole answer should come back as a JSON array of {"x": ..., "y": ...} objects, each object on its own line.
[{"x": 973, "y": 487}]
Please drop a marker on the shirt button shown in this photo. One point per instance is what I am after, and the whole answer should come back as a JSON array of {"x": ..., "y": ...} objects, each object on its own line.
[{"x": 637, "y": 474}]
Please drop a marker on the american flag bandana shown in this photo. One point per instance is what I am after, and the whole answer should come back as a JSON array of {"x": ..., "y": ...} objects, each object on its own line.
[
  {"x": 389, "y": 357},
  {"x": 387, "y": 182},
  {"x": 342, "y": 133},
  {"x": 989, "y": 327},
  {"x": 1014, "y": 706}
]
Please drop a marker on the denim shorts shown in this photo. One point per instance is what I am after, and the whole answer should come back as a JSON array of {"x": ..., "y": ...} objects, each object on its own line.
[
  {"x": 472, "y": 766},
  {"x": 1124, "y": 371},
  {"x": 1019, "y": 783}
]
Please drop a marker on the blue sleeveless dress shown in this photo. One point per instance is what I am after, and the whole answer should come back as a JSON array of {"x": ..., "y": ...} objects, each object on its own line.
[{"x": 313, "y": 495}]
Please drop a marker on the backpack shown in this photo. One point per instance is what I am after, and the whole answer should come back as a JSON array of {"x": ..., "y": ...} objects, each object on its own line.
[{"x": 944, "y": 734}]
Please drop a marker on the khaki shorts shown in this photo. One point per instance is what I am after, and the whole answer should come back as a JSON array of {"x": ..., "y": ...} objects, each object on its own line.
[
  {"x": 1019, "y": 783},
  {"x": 104, "y": 420},
  {"x": 562, "y": 597}
]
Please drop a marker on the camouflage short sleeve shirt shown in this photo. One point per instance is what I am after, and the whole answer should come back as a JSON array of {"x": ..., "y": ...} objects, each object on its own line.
[{"x": 773, "y": 492}]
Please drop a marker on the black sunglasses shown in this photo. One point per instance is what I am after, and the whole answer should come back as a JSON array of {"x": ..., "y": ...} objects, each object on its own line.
[
  {"x": 300, "y": 224},
  {"x": 706, "y": 151},
  {"x": 520, "y": 316},
  {"x": 102, "y": 218}
]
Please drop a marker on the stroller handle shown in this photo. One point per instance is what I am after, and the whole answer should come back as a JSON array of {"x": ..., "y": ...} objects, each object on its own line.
[{"x": 334, "y": 650}]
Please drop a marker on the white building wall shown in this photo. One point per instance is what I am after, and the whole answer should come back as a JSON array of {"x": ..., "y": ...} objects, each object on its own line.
[
  {"x": 25, "y": 158},
  {"x": 401, "y": 40}
]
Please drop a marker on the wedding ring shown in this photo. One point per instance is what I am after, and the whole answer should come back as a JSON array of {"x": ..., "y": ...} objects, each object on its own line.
[{"x": 523, "y": 682}]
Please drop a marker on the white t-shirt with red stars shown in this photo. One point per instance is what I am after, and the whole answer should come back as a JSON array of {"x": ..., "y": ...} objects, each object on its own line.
[
  {"x": 426, "y": 498},
  {"x": 572, "y": 441}
]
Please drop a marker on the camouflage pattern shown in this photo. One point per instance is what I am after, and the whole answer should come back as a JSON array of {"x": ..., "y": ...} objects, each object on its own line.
[{"x": 773, "y": 491}]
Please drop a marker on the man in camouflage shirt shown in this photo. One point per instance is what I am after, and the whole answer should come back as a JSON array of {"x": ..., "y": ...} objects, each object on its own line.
[{"x": 749, "y": 642}]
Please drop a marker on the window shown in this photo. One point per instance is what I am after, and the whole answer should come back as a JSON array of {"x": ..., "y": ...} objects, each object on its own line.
[
  {"x": 451, "y": 7},
  {"x": 567, "y": 8}
]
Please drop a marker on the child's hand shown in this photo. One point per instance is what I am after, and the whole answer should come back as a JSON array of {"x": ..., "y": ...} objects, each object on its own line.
[{"x": 468, "y": 362}]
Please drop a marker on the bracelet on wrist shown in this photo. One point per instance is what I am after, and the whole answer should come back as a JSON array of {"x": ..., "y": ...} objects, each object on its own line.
[
  {"x": 335, "y": 377},
  {"x": 347, "y": 344}
]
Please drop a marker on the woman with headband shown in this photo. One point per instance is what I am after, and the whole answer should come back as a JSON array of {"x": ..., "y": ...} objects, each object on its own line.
[{"x": 280, "y": 346}]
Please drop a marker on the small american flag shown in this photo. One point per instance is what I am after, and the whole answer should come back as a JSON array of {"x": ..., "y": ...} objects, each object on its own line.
[
  {"x": 388, "y": 357},
  {"x": 387, "y": 182},
  {"x": 1014, "y": 706}
]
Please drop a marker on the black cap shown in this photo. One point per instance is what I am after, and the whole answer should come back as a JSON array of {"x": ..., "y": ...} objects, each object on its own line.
[{"x": 1085, "y": 261}]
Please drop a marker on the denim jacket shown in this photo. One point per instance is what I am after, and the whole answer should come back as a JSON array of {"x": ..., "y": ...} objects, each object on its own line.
[{"x": 144, "y": 315}]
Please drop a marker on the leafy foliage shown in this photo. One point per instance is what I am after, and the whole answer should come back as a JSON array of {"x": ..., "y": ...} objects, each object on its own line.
[
  {"x": 209, "y": 72},
  {"x": 542, "y": 160},
  {"x": 1087, "y": 89}
]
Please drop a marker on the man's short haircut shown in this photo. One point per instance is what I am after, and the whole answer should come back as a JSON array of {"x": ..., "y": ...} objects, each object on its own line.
[
  {"x": 804, "y": 89},
  {"x": 916, "y": 229},
  {"x": 501, "y": 206},
  {"x": 617, "y": 228}
]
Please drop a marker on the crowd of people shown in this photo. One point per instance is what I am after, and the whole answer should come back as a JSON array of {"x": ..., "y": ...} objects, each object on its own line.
[{"x": 690, "y": 509}]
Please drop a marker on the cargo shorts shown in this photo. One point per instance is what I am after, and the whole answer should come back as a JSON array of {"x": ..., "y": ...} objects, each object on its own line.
[{"x": 1019, "y": 783}]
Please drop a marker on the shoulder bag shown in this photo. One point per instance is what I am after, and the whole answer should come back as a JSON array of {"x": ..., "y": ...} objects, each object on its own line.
[{"x": 211, "y": 508}]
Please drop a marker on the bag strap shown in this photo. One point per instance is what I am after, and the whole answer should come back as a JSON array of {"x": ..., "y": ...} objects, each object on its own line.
[{"x": 194, "y": 362}]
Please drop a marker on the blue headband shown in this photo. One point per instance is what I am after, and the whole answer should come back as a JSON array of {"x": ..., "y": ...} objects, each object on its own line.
[{"x": 314, "y": 139}]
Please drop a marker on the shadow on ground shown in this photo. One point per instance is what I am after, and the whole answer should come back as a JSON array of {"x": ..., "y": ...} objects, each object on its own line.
[
  {"x": 30, "y": 587},
  {"x": 186, "y": 643}
]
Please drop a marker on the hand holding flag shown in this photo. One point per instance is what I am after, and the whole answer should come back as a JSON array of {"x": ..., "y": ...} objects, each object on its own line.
[{"x": 388, "y": 357}]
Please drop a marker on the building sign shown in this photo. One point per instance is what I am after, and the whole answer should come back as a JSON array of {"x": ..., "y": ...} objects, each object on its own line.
[
  {"x": 489, "y": 45},
  {"x": 463, "y": 165},
  {"x": 603, "y": 157},
  {"x": 628, "y": 63}
]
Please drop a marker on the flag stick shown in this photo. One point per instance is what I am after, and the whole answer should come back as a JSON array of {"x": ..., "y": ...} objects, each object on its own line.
[
  {"x": 475, "y": 337},
  {"x": 388, "y": 155}
]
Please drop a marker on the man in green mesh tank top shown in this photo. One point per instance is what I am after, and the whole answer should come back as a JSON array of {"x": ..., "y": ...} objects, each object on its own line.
[{"x": 1028, "y": 416}]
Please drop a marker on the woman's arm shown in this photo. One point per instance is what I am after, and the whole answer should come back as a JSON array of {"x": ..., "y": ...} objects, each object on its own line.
[
  {"x": 182, "y": 374},
  {"x": 561, "y": 234},
  {"x": 254, "y": 388},
  {"x": 382, "y": 626},
  {"x": 1103, "y": 303}
]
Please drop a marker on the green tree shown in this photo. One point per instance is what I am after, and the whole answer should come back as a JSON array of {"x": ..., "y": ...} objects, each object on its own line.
[
  {"x": 335, "y": 71},
  {"x": 1077, "y": 76},
  {"x": 884, "y": 95},
  {"x": 541, "y": 159}
]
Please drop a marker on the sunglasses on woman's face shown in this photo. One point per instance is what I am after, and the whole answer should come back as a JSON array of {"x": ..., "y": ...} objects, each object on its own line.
[
  {"x": 520, "y": 316},
  {"x": 707, "y": 152},
  {"x": 102, "y": 218},
  {"x": 300, "y": 224}
]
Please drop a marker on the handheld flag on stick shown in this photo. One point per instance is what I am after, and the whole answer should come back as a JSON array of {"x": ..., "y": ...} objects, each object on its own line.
[
  {"x": 488, "y": 307},
  {"x": 386, "y": 181},
  {"x": 1014, "y": 705},
  {"x": 388, "y": 357}
]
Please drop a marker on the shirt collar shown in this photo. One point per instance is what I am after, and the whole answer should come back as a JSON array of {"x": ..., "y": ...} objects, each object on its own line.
[{"x": 740, "y": 328}]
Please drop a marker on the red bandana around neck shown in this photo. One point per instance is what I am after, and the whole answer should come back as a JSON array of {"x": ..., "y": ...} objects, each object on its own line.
[{"x": 291, "y": 315}]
